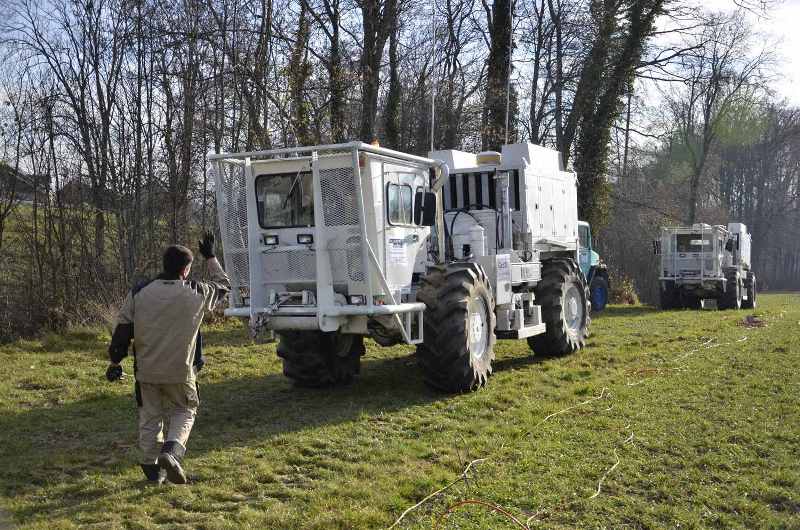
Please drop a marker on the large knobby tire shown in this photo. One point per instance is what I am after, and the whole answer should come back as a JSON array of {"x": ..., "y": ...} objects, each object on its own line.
[
  {"x": 564, "y": 298},
  {"x": 732, "y": 296},
  {"x": 689, "y": 300},
  {"x": 598, "y": 291},
  {"x": 750, "y": 303},
  {"x": 459, "y": 324},
  {"x": 318, "y": 359},
  {"x": 669, "y": 296}
]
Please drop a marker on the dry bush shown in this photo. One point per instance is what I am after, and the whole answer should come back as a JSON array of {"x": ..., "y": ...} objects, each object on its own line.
[{"x": 622, "y": 290}]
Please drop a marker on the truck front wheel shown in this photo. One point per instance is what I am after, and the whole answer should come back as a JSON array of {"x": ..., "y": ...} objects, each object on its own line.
[
  {"x": 564, "y": 299},
  {"x": 459, "y": 327},
  {"x": 669, "y": 296},
  {"x": 318, "y": 359}
]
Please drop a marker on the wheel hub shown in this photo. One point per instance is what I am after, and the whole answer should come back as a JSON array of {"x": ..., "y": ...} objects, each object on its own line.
[
  {"x": 573, "y": 309},
  {"x": 478, "y": 327}
]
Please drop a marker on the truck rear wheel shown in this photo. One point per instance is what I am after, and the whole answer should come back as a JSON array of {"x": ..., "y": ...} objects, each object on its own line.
[
  {"x": 732, "y": 296},
  {"x": 318, "y": 359},
  {"x": 750, "y": 303},
  {"x": 459, "y": 327},
  {"x": 564, "y": 299}
]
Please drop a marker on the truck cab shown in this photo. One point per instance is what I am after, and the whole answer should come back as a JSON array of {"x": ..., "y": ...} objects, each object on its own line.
[{"x": 593, "y": 268}]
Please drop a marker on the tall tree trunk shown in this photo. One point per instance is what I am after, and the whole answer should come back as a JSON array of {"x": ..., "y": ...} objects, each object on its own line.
[
  {"x": 377, "y": 25},
  {"x": 393, "y": 98},
  {"x": 299, "y": 72},
  {"x": 498, "y": 76}
]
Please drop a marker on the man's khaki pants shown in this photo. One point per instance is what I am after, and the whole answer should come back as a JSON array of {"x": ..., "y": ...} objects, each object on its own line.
[{"x": 177, "y": 402}]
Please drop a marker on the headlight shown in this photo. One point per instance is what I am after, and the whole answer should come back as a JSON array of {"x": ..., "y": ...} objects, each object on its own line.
[
  {"x": 270, "y": 240},
  {"x": 358, "y": 299},
  {"x": 305, "y": 239}
]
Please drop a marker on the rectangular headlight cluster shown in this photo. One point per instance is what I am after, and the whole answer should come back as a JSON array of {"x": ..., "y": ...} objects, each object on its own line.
[{"x": 305, "y": 239}]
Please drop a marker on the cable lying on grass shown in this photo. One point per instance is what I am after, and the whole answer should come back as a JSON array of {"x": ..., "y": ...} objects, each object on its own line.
[
  {"x": 489, "y": 505},
  {"x": 612, "y": 468},
  {"x": 464, "y": 475}
]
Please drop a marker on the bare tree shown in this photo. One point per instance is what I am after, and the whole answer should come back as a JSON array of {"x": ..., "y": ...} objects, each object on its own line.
[{"x": 718, "y": 75}]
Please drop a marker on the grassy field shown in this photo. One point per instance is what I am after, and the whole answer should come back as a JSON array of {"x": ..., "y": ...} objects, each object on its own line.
[{"x": 666, "y": 419}]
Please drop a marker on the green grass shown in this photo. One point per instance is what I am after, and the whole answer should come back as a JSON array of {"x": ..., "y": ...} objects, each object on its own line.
[{"x": 701, "y": 414}]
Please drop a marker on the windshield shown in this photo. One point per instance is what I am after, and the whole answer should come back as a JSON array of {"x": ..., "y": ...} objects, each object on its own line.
[
  {"x": 285, "y": 200},
  {"x": 693, "y": 242}
]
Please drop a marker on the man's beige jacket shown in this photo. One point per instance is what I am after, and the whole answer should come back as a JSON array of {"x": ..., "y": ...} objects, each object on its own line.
[{"x": 166, "y": 316}]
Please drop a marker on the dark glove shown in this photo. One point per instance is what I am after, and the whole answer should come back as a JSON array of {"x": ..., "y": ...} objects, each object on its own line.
[
  {"x": 114, "y": 372},
  {"x": 207, "y": 245}
]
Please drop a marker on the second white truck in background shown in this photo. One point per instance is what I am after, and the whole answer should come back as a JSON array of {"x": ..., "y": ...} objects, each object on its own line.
[{"x": 704, "y": 262}]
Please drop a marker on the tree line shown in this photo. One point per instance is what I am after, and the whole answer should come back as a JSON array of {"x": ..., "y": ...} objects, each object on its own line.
[{"x": 110, "y": 106}]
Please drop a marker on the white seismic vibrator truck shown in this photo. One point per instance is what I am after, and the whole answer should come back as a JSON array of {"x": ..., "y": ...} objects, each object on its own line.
[
  {"x": 703, "y": 262},
  {"x": 329, "y": 244}
]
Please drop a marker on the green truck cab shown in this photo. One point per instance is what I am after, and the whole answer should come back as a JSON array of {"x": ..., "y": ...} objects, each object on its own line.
[{"x": 593, "y": 268}]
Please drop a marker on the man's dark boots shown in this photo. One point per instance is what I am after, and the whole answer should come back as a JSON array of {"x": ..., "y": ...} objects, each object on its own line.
[
  {"x": 170, "y": 461},
  {"x": 154, "y": 474}
]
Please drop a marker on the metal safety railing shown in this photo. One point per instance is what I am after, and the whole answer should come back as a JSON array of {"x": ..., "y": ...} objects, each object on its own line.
[{"x": 237, "y": 215}]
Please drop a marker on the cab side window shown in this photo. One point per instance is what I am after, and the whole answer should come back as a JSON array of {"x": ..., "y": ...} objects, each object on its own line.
[{"x": 399, "y": 203}]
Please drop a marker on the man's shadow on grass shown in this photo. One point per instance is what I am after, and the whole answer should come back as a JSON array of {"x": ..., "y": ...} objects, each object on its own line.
[{"x": 63, "y": 444}]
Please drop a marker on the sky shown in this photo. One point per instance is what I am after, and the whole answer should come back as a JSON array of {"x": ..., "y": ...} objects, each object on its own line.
[
  {"x": 785, "y": 25},
  {"x": 780, "y": 27}
]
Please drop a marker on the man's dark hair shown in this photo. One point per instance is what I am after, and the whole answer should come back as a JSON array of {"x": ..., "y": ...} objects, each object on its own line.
[{"x": 176, "y": 258}]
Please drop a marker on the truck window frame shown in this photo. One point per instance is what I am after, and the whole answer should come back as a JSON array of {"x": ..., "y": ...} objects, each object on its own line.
[
  {"x": 410, "y": 209},
  {"x": 260, "y": 206}
]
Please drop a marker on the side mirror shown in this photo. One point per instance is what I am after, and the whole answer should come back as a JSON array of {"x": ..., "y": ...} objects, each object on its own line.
[
  {"x": 425, "y": 208},
  {"x": 656, "y": 247}
]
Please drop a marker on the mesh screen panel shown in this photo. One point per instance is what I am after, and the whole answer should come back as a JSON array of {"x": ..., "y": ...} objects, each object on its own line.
[
  {"x": 233, "y": 228},
  {"x": 339, "y": 196},
  {"x": 355, "y": 271}
]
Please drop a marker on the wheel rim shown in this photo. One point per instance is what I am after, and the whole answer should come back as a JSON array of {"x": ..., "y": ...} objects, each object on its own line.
[
  {"x": 573, "y": 309},
  {"x": 478, "y": 327}
]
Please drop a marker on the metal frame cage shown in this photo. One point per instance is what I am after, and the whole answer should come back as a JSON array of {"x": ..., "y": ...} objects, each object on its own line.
[{"x": 357, "y": 261}]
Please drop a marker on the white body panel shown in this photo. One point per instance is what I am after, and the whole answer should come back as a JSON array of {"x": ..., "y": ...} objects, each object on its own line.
[
  {"x": 744, "y": 239},
  {"x": 543, "y": 197}
]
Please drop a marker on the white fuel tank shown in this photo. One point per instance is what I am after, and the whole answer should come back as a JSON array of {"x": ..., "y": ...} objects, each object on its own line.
[{"x": 467, "y": 232}]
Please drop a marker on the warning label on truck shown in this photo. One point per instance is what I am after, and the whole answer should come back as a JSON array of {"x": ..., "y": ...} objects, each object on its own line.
[{"x": 396, "y": 253}]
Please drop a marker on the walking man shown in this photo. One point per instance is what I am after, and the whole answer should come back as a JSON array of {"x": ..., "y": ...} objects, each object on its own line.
[{"x": 163, "y": 319}]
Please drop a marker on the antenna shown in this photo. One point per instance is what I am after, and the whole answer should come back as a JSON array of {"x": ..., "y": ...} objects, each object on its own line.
[
  {"x": 433, "y": 70},
  {"x": 510, "y": 56}
]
